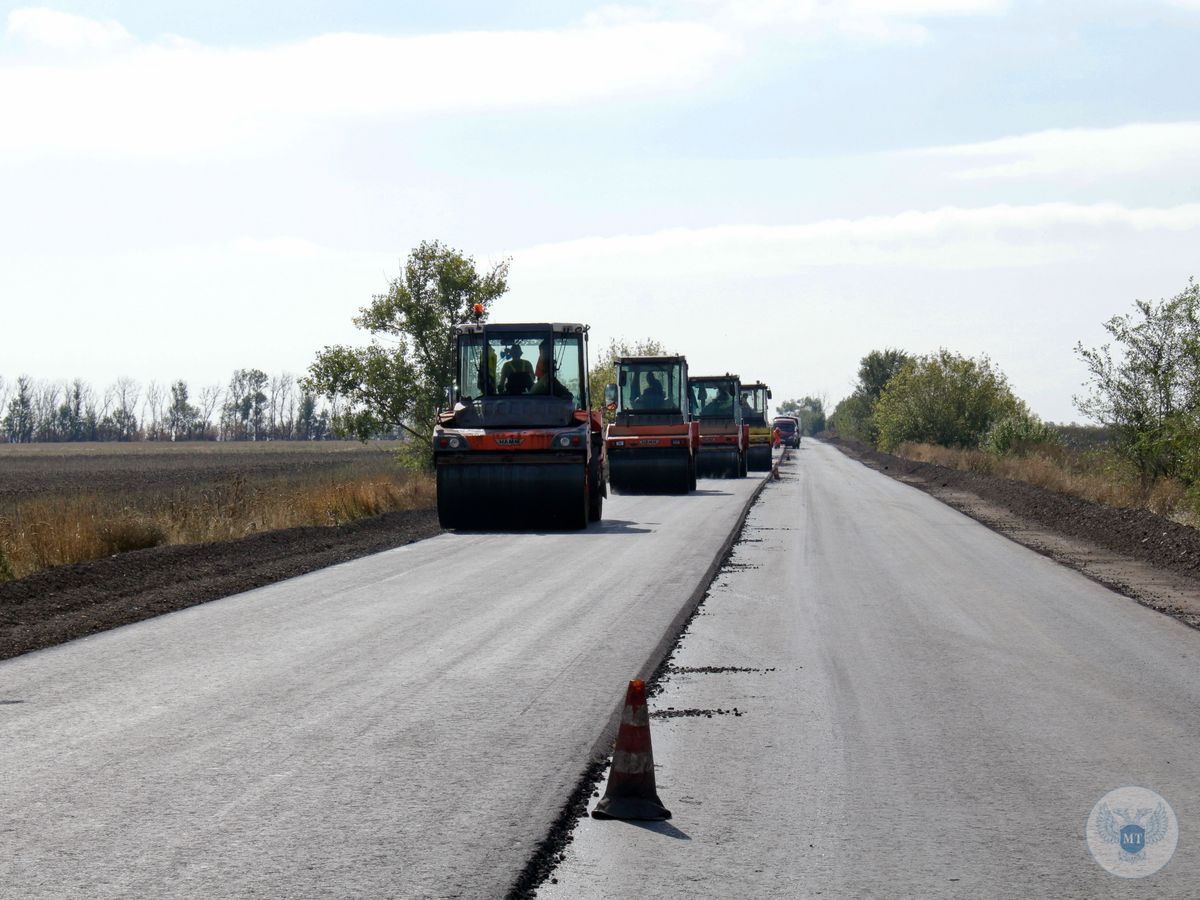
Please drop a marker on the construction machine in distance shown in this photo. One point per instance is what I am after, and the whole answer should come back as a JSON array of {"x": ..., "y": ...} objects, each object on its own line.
[
  {"x": 520, "y": 445},
  {"x": 754, "y": 399},
  {"x": 724, "y": 437},
  {"x": 653, "y": 442}
]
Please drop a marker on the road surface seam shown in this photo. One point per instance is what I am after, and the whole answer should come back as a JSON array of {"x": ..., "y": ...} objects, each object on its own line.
[{"x": 546, "y": 856}]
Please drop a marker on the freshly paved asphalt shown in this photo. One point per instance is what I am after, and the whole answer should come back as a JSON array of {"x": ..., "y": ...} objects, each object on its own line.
[
  {"x": 933, "y": 712},
  {"x": 405, "y": 725}
]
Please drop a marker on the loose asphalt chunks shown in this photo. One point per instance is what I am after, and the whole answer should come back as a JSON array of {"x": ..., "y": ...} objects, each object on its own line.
[{"x": 631, "y": 792}]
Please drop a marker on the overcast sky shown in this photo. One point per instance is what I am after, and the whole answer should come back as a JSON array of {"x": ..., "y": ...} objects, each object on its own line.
[{"x": 771, "y": 187}]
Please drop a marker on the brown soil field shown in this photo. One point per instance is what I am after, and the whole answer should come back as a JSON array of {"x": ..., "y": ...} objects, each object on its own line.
[
  {"x": 101, "y": 535},
  {"x": 61, "y": 469},
  {"x": 67, "y": 503}
]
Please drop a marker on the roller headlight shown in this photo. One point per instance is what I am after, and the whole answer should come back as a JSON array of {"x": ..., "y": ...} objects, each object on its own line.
[{"x": 567, "y": 440}]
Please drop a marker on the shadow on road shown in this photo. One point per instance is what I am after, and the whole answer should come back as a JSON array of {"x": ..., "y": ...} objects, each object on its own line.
[{"x": 666, "y": 829}]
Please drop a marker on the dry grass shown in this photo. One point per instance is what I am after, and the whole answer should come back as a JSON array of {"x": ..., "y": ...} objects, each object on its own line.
[
  {"x": 42, "y": 528},
  {"x": 1094, "y": 475}
]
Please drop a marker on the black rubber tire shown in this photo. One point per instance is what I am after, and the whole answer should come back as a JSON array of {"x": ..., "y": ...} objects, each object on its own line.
[{"x": 595, "y": 492}]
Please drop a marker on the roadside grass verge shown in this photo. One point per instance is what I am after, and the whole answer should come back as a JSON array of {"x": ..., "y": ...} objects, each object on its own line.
[
  {"x": 46, "y": 529},
  {"x": 1095, "y": 475}
]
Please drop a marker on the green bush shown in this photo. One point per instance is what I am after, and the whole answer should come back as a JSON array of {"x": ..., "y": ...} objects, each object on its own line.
[
  {"x": 1018, "y": 434},
  {"x": 945, "y": 399}
]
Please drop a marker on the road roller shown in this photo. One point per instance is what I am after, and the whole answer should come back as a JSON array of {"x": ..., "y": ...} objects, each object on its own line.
[
  {"x": 520, "y": 445},
  {"x": 754, "y": 399},
  {"x": 724, "y": 437},
  {"x": 652, "y": 442}
]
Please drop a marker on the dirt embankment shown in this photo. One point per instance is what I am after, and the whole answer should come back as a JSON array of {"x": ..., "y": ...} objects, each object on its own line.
[
  {"x": 67, "y": 602},
  {"x": 1147, "y": 557}
]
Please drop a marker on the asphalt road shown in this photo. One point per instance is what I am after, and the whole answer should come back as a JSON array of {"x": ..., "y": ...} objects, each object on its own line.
[
  {"x": 405, "y": 725},
  {"x": 930, "y": 710}
]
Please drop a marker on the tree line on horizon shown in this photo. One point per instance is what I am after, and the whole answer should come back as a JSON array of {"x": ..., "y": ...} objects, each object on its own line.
[
  {"x": 253, "y": 406},
  {"x": 1142, "y": 388}
]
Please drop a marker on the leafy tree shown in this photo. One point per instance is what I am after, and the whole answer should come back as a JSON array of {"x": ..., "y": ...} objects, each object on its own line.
[
  {"x": 879, "y": 367},
  {"x": 1149, "y": 396},
  {"x": 71, "y": 419},
  {"x": 183, "y": 419},
  {"x": 245, "y": 405},
  {"x": 604, "y": 371},
  {"x": 18, "y": 422},
  {"x": 311, "y": 423},
  {"x": 854, "y": 416},
  {"x": 399, "y": 379},
  {"x": 811, "y": 412},
  {"x": 944, "y": 398}
]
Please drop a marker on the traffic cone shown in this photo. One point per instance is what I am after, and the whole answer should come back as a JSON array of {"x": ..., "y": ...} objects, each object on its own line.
[{"x": 631, "y": 793}]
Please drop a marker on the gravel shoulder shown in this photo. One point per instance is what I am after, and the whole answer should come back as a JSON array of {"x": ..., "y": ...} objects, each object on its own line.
[
  {"x": 68, "y": 602},
  {"x": 1146, "y": 557}
]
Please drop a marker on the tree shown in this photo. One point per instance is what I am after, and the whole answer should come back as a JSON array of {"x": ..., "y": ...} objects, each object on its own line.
[
  {"x": 809, "y": 410},
  {"x": 18, "y": 421},
  {"x": 245, "y": 406},
  {"x": 399, "y": 379},
  {"x": 1149, "y": 396},
  {"x": 122, "y": 423},
  {"x": 604, "y": 371},
  {"x": 182, "y": 419},
  {"x": 854, "y": 416},
  {"x": 946, "y": 399},
  {"x": 210, "y": 401},
  {"x": 879, "y": 367}
]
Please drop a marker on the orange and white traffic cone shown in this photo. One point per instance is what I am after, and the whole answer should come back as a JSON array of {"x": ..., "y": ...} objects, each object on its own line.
[{"x": 631, "y": 793}]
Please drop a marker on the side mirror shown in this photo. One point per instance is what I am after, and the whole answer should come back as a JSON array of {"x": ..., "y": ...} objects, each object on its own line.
[
  {"x": 610, "y": 396},
  {"x": 768, "y": 393},
  {"x": 448, "y": 398}
]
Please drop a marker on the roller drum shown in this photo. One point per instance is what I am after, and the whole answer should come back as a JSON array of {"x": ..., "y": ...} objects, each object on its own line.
[
  {"x": 719, "y": 463},
  {"x": 649, "y": 471},
  {"x": 512, "y": 495},
  {"x": 759, "y": 458}
]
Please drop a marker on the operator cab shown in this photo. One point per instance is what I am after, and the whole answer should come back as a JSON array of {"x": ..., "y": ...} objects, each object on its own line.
[
  {"x": 754, "y": 399},
  {"x": 715, "y": 397},
  {"x": 649, "y": 387},
  {"x": 510, "y": 375}
]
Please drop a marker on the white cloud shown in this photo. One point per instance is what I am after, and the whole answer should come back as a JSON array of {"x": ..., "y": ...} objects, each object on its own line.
[
  {"x": 947, "y": 238},
  {"x": 62, "y": 31},
  {"x": 878, "y": 20},
  {"x": 1078, "y": 152},
  {"x": 172, "y": 99}
]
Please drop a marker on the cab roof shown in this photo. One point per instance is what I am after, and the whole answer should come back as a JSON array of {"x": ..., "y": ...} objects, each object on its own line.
[
  {"x": 556, "y": 327},
  {"x": 629, "y": 360}
]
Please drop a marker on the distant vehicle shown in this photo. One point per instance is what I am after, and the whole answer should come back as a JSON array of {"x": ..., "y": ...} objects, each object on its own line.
[
  {"x": 789, "y": 430},
  {"x": 754, "y": 412},
  {"x": 653, "y": 443},
  {"x": 724, "y": 437},
  {"x": 521, "y": 445}
]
